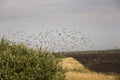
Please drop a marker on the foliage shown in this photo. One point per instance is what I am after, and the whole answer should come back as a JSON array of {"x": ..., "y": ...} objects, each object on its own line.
[
  {"x": 18, "y": 62},
  {"x": 58, "y": 54}
]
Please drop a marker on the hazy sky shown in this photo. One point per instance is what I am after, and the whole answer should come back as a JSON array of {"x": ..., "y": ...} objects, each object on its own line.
[{"x": 100, "y": 19}]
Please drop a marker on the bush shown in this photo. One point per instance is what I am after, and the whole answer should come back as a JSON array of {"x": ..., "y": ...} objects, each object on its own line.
[{"x": 18, "y": 62}]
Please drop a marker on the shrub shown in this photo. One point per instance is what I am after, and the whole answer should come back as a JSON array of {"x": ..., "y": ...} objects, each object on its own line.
[{"x": 18, "y": 62}]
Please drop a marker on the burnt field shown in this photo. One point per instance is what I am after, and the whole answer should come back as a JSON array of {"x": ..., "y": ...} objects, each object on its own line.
[{"x": 106, "y": 61}]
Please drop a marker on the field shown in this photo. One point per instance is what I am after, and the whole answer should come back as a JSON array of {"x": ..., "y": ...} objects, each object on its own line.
[
  {"x": 107, "y": 61},
  {"x": 92, "y": 65},
  {"x": 76, "y": 71}
]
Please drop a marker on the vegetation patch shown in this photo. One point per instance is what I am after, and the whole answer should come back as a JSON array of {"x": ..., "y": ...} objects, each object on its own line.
[{"x": 19, "y": 62}]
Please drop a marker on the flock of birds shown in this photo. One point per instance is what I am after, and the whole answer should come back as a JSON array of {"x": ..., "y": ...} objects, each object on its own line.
[{"x": 54, "y": 40}]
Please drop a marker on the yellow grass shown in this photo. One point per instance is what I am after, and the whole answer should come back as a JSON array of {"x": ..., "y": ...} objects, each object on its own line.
[
  {"x": 71, "y": 64},
  {"x": 72, "y": 75},
  {"x": 76, "y": 71}
]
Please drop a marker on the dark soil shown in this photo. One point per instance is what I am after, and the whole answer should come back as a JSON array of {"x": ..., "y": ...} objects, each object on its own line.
[{"x": 99, "y": 61}]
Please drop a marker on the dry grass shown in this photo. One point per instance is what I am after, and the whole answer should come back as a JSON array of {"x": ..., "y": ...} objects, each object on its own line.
[
  {"x": 76, "y": 71},
  {"x": 73, "y": 75},
  {"x": 71, "y": 64}
]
